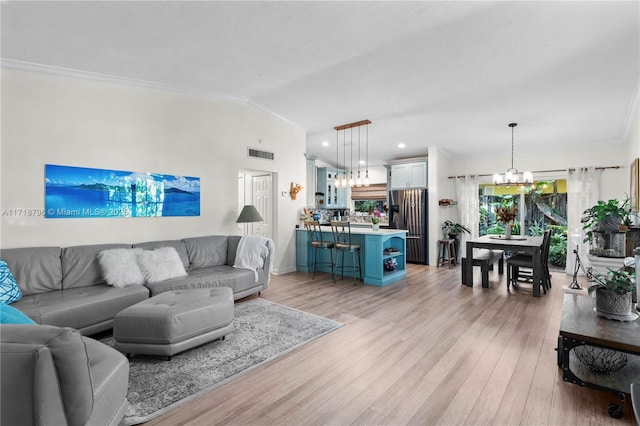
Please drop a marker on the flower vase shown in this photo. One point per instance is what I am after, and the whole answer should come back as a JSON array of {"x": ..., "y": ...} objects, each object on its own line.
[
  {"x": 375, "y": 226},
  {"x": 507, "y": 231}
]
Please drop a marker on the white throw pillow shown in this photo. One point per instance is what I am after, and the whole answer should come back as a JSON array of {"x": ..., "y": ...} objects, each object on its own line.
[
  {"x": 120, "y": 267},
  {"x": 161, "y": 264}
]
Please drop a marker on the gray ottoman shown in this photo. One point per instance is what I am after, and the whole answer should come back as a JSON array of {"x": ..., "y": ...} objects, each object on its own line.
[{"x": 174, "y": 321}]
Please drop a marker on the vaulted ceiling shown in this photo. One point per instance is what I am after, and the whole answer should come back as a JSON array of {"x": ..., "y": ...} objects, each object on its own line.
[{"x": 451, "y": 74}]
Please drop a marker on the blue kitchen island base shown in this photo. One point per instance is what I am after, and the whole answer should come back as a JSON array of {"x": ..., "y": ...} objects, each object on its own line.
[{"x": 382, "y": 254}]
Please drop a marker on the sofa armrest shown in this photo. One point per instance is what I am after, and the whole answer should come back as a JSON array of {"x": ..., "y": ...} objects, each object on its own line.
[
  {"x": 264, "y": 274},
  {"x": 45, "y": 376}
]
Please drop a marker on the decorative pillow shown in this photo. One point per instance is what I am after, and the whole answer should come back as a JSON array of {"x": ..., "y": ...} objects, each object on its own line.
[
  {"x": 9, "y": 290},
  {"x": 161, "y": 264},
  {"x": 120, "y": 267},
  {"x": 11, "y": 315}
]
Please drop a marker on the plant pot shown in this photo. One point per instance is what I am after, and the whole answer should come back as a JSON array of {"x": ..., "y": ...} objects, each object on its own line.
[
  {"x": 375, "y": 227},
  {"x": 613, "y": 305}
]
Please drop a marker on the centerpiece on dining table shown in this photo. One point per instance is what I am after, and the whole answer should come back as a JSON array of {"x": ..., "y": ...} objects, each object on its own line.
[{"x": 506, "y": 214}]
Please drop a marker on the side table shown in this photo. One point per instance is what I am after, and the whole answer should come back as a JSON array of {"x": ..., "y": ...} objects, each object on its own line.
[{"x": 580, "y": 325}]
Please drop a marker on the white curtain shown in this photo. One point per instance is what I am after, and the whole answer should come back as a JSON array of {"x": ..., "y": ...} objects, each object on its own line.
[
  {"x": 582, "y": 193},
  {"x": 468, "y": 207}
]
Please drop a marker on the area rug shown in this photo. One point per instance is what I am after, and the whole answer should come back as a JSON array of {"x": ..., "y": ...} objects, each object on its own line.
[{"x": 263, "y": 331}]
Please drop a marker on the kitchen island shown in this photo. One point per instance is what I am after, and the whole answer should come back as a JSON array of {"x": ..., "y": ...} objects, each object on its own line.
[{"x": 376, "y": 247}]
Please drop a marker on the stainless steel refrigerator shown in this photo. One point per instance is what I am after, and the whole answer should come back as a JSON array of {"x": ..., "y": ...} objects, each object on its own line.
[{"x": 409, "y": 211}]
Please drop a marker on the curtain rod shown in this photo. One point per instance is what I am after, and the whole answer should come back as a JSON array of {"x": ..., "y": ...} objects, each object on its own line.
[{"x": 541, "y": 171}]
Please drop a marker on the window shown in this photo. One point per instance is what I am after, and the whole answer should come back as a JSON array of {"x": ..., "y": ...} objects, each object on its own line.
[{"x": 545, "y": 207}]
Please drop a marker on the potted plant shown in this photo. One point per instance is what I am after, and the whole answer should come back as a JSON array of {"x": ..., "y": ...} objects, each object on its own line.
[
  {"x": 452, "y": 229},
  {"x": 606, "y": 224},
  {"x": 613, "y": 294},
  {"x": 609, "y": 216}
]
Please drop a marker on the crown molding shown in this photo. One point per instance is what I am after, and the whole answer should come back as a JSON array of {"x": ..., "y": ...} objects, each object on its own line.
[{"x": 107, "y": 78}]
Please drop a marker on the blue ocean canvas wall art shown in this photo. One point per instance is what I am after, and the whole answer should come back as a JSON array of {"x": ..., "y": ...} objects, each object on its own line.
[{"x": 80, "y": 192}]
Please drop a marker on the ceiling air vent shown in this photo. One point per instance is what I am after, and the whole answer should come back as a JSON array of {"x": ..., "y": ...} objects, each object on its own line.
[{"x": 256, "y": 153}]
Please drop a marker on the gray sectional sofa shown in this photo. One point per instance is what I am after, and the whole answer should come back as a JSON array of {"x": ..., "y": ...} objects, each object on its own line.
[
  {"x": 65, "y": 286},
  {"x": 51, "y": 374}
]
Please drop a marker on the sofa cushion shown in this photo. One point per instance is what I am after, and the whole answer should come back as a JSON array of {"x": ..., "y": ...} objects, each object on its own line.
[
  {"x": 120, "y": 267},
  {"x": 206, "y": 251},
  {"x": 161, "y": 264},
  {"x": 36, "y": 269},
  {"x": 177, "y": 244},
  {"x": 237, "y": 280},
  {"x": 80, "y": 307},
  {"x": 11, "y": 315},
  {"x": 9, "y": 290},
  {"x": 80, "y": 267},
  {"x": 232, "y": 248}
]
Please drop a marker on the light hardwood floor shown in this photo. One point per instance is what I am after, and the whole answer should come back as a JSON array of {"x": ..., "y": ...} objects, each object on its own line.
[{"x": 426, "y": 350}]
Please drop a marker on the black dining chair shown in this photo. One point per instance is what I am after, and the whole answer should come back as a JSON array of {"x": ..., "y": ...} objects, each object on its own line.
[
  {"x": 520, "y": 266},
  {"x": 317, "y": 241},
  {"x": 342, "y": 238}
]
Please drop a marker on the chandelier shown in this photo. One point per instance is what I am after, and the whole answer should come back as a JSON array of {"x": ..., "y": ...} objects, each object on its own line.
[
  {"x": 513, "y": 177},
  {"x": 341, "y": 179}
]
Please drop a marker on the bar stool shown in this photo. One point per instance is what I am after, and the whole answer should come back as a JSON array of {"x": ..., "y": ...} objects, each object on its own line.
[
  {"x": 446, "y": 248},
  {"x": 316, "y": 242},
  {"x": 342, "y": 238}
]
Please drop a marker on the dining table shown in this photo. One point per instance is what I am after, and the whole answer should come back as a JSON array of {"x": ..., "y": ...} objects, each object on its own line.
[{"x": 514, "y": 244}]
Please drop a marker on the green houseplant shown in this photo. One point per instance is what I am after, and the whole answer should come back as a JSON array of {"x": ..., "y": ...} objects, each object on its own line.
[
  {"x": 613, "y": 293},
  {"x": 606, "y": 216},
  {"x": 453, "y": 229}
]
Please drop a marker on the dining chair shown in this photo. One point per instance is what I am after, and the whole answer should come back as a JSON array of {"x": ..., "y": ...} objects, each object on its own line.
[
  {"x": 520, "y": 266},
  {"x": 316, "y": 241},
  {"x": 342, "y": 239}
]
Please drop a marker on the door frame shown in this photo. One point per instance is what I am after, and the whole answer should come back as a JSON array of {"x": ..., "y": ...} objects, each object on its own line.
[{"x": 245, "y": 196}]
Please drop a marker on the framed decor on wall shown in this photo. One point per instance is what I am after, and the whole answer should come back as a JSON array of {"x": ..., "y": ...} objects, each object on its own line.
[
  {"x": 634, "y": 186},
  {"x": 80, "y": 192}
]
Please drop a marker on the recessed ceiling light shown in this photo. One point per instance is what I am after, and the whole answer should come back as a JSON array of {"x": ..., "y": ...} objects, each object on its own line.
[
  {"x": 401, "y": 145},
  {"x": 325, "y": 143},
  {"x": 363, "y": 162}
]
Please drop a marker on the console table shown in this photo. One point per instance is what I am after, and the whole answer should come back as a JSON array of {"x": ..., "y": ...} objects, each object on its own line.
[{"x": 580, "y": 325}]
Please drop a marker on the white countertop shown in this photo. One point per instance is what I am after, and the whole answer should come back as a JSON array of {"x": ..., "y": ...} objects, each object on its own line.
[{"x": 365, "y": 231}]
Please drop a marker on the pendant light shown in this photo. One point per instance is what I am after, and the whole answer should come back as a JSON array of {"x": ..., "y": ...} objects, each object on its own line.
[
  {"x": 359, "y": 180},
  {"x": 342, "y": 181},
  {"x": 336, "y": 182},
  {"x": 351, "y": 182},
  {"x": 513, "y": 177},
  {"x": 366, "y": 175}
]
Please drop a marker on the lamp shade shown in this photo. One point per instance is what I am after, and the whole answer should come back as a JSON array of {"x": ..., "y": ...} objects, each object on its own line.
[{"x": 249, "y": 213}]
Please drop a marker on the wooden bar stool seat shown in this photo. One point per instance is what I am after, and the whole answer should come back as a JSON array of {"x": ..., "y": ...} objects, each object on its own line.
[
  {"x": 446, "y": 252},
  {"x": 317, "y": 242}
]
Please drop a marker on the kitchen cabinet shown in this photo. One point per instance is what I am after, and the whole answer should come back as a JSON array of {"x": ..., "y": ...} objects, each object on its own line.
[
  {"x": 409, "y": 175},
  {"x": 334, "y": 198},
  {"x": 376, "y": 248}
]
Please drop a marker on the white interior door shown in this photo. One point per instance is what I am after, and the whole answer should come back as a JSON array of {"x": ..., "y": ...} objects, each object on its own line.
[{"x": 262, "y": 199}]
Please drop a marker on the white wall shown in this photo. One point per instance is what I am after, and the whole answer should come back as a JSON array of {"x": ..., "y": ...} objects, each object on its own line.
[{"x": 48, "y": 119}]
